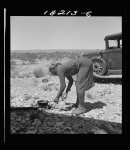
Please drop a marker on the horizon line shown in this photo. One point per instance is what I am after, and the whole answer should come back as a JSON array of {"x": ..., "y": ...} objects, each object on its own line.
[{"x": 57, "y": 49}]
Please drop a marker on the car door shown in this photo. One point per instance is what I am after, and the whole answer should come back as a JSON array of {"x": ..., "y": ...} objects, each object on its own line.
[{"x": 115, "y": 58}]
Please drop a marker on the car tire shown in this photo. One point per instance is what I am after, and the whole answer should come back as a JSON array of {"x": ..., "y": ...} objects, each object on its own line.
[{"x": 99, "y": 66}]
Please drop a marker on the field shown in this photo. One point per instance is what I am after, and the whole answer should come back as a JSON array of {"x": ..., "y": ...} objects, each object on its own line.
[{"x": 28, "y": 73}]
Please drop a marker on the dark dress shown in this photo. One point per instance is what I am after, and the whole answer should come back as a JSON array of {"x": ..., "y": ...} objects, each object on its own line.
[{"x": 80, "y": 66}]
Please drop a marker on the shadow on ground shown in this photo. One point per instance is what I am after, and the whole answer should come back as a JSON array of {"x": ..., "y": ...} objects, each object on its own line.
[
  {"x": 35, "y": 121},
  {"x": 89, "y": 106},
  {"x": 108, "y": 80}
]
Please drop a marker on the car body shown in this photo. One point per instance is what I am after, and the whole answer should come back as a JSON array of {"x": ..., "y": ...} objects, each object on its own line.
[{"x": 109, "y": 60}]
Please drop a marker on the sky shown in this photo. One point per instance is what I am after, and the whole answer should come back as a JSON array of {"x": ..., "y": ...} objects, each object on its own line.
[{"x": 62, "y": 32}]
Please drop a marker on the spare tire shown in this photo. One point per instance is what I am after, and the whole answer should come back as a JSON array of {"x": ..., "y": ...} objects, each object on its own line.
[{"x": 99, "y": 66}]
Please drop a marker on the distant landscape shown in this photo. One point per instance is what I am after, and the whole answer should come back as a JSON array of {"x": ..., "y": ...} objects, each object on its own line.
[
  {"x": 32, "y": 55},
  {"x": 51, "y": 50}
]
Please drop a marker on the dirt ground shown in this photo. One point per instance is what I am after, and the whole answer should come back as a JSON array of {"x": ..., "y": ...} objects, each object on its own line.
[{"x": 103, "y": 103}]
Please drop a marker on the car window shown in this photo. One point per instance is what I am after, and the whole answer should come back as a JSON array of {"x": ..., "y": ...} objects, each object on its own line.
[{"x": 112, "y": 43}]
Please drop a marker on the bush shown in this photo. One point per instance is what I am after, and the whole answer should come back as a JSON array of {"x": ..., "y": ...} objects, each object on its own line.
[
  {"x": 25, "y": 74},
  {"x": 38, "y": 73},
  {"x": 12, "y": 64},
  {"x": 14, "y": 74},
  {"x": 27, "y": 97}
]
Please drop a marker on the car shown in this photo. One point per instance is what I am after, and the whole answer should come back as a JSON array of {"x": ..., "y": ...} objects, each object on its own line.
[{"x": 109, "y": 60}]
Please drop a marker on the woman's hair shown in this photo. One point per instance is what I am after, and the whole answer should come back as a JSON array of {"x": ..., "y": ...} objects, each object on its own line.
[{"x": 53, "y": 67}]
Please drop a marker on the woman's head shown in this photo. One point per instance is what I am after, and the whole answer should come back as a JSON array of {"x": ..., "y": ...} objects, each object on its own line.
[{"x": 53, "y": 67}]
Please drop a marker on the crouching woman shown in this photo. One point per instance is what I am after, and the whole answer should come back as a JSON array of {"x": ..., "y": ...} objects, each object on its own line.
[{"x": 84, "y": 70}]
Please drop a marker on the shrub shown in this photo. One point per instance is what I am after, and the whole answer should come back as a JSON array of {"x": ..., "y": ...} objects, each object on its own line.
[
  {"x": 38, "y": 73},
  {"x": 27, "y": 96},
  {"x": 14, "y": 74},
  {"x": 12, "y": 64},
  {"x": 25, "y": 74}
]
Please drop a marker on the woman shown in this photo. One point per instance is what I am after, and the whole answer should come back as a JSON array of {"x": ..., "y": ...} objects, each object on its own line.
[{"x": 84, "y": 70}]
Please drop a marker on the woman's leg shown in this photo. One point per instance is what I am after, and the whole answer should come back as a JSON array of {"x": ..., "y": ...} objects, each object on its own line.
[
  {"x": 81, "y": 106},
  {"x": 77, "y": 102},
  {"x": 83, "y": 83},
  {"x": 80, "y": 103}
]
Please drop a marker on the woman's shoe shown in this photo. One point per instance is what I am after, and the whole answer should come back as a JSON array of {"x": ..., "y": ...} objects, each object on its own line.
[{"x": 78, "y": 111}]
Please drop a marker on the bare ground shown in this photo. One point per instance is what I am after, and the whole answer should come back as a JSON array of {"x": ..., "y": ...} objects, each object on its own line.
[{"x": 103, "y": 103}]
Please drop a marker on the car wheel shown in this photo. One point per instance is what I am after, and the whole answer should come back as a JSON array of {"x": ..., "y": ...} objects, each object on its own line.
[{"x": 99, "y": 66}]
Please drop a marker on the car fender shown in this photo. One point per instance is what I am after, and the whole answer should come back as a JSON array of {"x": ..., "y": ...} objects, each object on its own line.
[{"x": 96, "y": 53}]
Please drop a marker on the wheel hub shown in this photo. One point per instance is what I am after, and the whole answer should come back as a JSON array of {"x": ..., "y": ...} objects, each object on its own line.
[{"x": 97, "y": 67}]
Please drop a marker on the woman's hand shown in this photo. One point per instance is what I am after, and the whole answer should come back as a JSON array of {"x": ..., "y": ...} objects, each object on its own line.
[{"x": 64, "y": 95}]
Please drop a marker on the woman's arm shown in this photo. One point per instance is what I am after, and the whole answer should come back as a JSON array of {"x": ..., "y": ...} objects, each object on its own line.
[
  {"x": 62, "y": 83},
  {"x": 70, "y": 83}
]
